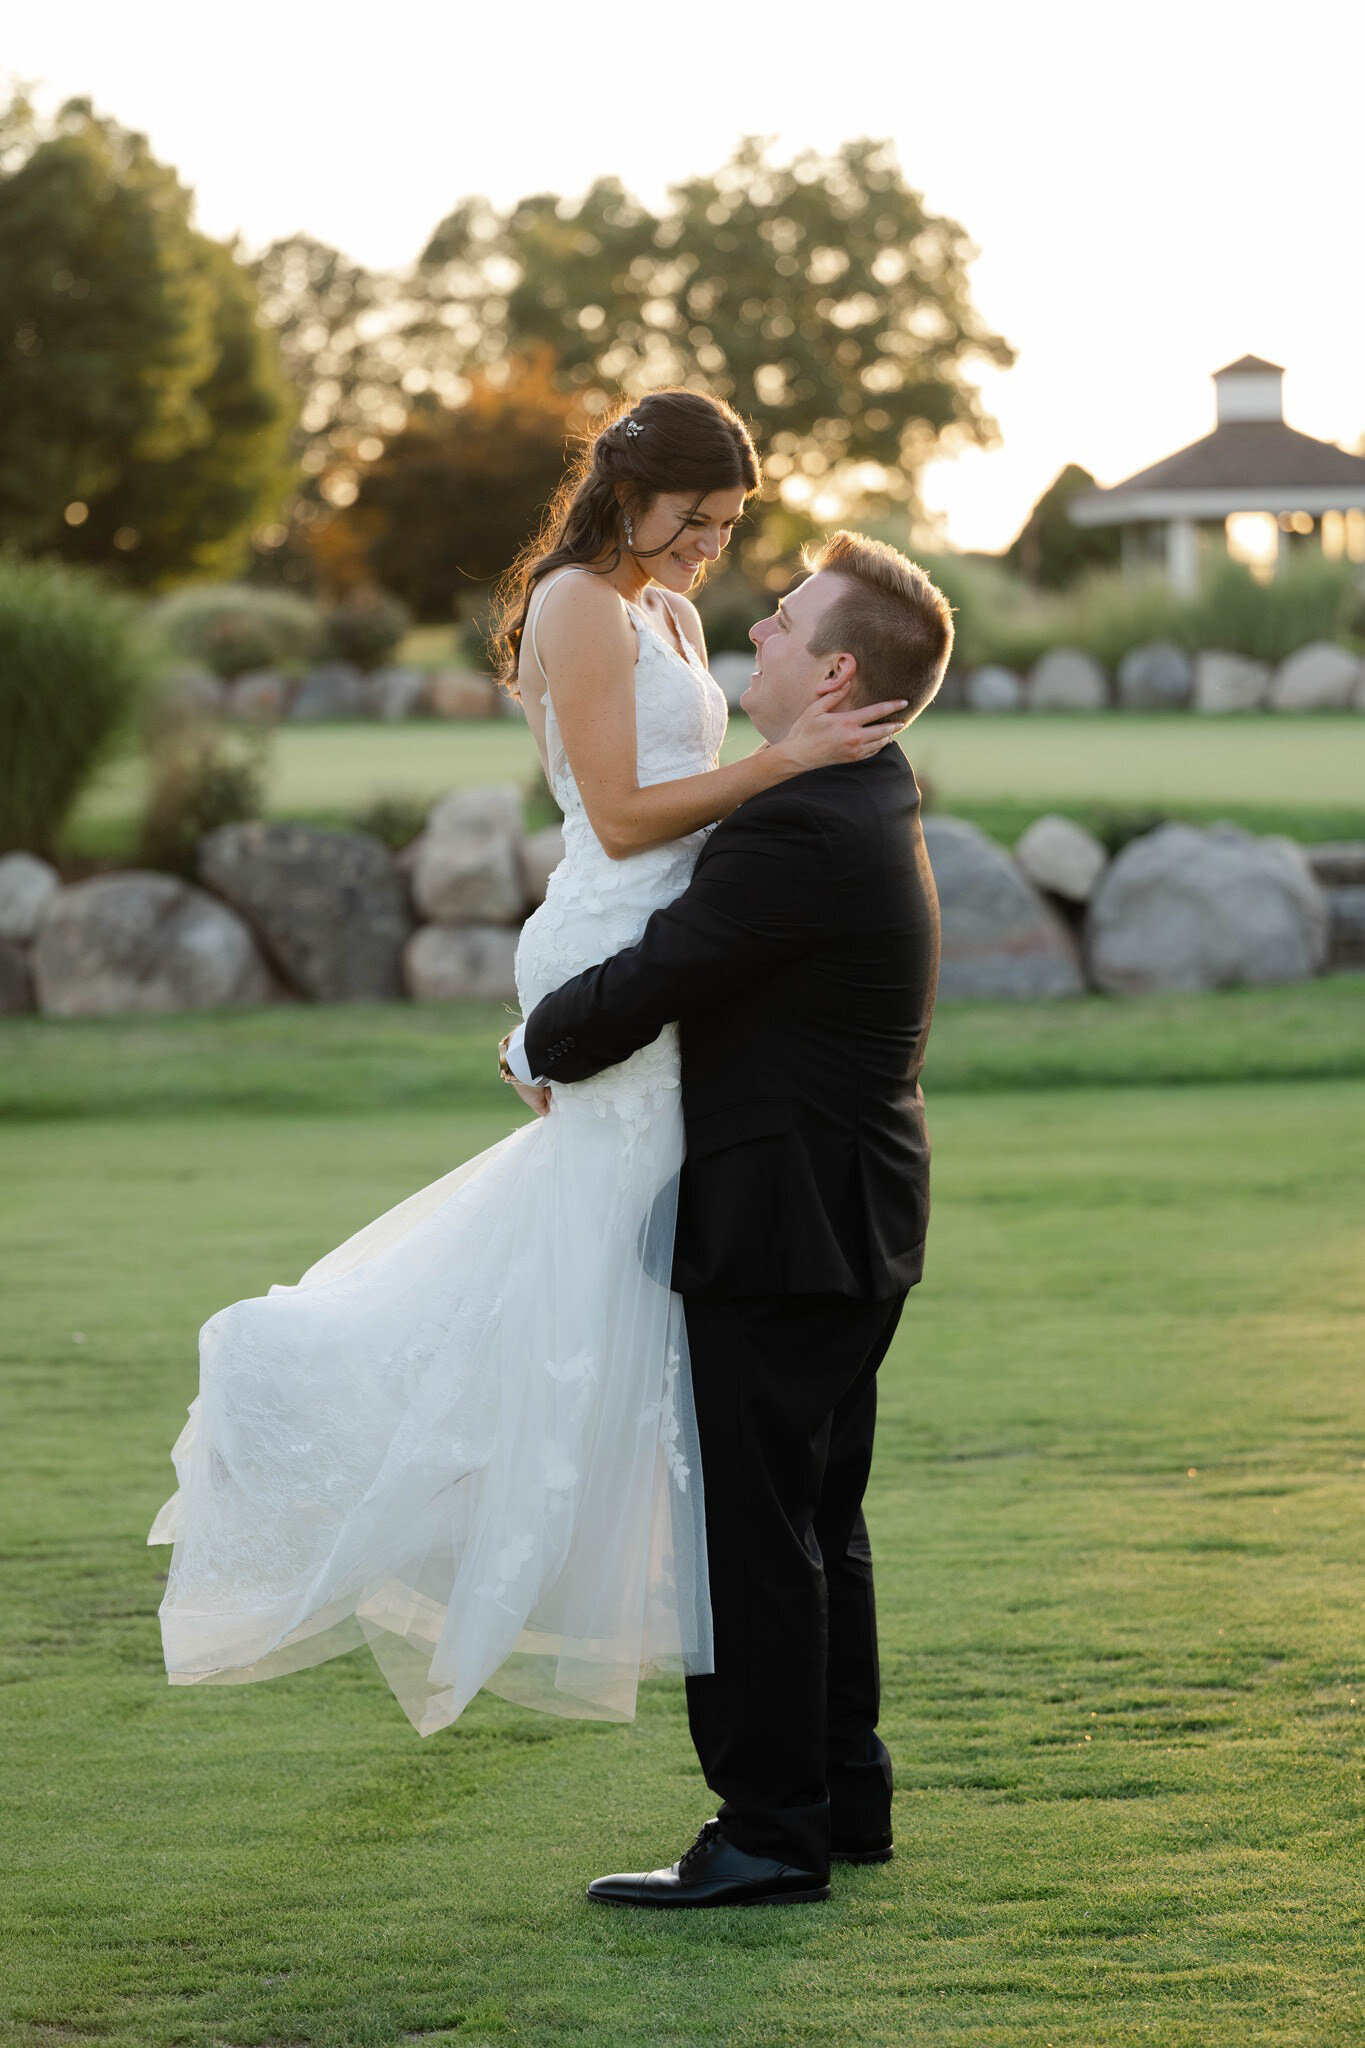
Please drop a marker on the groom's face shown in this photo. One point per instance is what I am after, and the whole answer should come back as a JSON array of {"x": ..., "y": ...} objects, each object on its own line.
[{"x": 786, "y": 674}]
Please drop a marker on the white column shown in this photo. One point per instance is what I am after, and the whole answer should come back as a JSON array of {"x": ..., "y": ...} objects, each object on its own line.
[{"x": 1182, "y": 556}]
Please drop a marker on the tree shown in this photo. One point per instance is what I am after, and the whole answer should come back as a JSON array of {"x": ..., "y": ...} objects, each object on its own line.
[
  {"x": 193, "y": 512},
  {"x": 447, "y": 505},
  {"x": 819, "y": 297},
  {"x": 1048, "y": 549},
  {"x": 142, "y": 401},
  {"x": 339, "y": 328}
]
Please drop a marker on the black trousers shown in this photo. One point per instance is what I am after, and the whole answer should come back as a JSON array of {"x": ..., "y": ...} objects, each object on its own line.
[{"x": 786, "y": 1728}]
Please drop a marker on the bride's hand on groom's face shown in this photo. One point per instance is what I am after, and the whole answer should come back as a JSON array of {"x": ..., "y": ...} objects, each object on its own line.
[{"x": 830, "y": 730}]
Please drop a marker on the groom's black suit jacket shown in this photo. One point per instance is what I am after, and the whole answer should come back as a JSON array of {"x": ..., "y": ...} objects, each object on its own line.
[{"x": 801, "y": 961}]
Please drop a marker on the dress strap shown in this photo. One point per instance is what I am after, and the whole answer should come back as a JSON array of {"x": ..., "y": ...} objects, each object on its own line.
[{"x": 538, "y": 598}]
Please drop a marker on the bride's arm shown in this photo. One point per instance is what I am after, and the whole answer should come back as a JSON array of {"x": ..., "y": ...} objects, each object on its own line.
[{"x": 589, "y": 648}]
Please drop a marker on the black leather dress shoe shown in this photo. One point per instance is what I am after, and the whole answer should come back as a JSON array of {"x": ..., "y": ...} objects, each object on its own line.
[
  {"x": 862, "y": 1849},
  {"x": 713, "y": 1872}
]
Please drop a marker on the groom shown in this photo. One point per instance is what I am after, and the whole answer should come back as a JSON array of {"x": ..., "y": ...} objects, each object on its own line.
[{"x": 801, "y": 962}]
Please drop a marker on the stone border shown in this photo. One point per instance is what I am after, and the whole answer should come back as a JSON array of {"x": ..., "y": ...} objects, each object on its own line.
[{"x": 293, "y": 912}]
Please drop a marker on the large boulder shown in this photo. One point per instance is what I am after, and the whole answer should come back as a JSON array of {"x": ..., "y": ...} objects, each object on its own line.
[
  {"x": 1192, "y": 908},
  {"x": 466, "y": 867},
  {"x": 1320, "y": 677},
  {"x": 1157, "y": 677},
  {"x": 476, "y": 963},
  {"x": 540, "y": 856},
  {"x": 394, "y": 692},
  {"x": 734, "y": 672},
  {"x": 1000, "y": 938},
  {"x": 16, "y": 980},
  {"x": 1229, "y": 682},
  {"x": 951, "y": 694},
  {"x": 331, "y": 908},
  {"x": 1061, "y": 857},
  {"x": 334, "y": 691},
  {"x": 994, "y": 689},
  {"x": 141, "y": 943},
  {"x": 458, "y": 693},
  {"x": 1065, "y": 679},
  {"x": 27, "y": 886}
]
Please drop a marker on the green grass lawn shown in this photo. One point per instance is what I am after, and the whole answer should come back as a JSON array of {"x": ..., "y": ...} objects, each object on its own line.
[
  {"x": 1300, "y": 775},
  {"x": 1117, "y": 1509}
]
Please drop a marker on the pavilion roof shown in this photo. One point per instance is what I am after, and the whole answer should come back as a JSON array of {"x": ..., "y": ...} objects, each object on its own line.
[
  {"x": 1244, "y": 364},
  {"x": 1260, "y": 463}
]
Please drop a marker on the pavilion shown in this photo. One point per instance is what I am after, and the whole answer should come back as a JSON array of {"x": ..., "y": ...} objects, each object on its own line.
[{"x": 1254, "y": 482}]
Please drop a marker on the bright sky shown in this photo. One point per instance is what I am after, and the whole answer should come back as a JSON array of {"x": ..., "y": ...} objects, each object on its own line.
[{"x": 1154, "y": 189}]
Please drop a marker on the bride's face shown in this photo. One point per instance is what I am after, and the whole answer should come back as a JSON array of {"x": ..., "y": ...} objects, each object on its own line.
[{"x": 689, "y": 534}]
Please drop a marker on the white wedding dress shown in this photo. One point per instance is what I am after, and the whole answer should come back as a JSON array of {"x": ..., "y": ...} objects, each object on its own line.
[{"x": 466, "y": 1436}]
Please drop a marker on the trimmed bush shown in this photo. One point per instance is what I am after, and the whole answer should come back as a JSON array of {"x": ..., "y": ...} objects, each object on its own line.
[
  {"x": 75, "y": 669},
  {"x": 201, "y": 777},
  {"x": 231, "y": 628},
  {"x": 365, "y": 628}
]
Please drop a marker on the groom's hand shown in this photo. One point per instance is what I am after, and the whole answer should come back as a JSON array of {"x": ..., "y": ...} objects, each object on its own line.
[
  {"x": 535, "y": 1098},
  {"x": 534, "y": 1094}
]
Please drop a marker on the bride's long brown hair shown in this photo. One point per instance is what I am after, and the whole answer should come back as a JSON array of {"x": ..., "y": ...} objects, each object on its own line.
[{"x": 667, "y": 441}]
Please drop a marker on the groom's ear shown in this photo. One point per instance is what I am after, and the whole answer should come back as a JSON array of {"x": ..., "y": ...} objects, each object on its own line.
[{"x": 841, "y": 674}]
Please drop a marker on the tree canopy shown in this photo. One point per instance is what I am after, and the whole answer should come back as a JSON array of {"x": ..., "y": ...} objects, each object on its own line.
[
  {"x": 1052, "y": 552},
  {"x": 820, "y": 297},
  {"x": 145, "y": 419},
  {"x": 148, "y": 367},
  {"x": 452, "y": 498}
]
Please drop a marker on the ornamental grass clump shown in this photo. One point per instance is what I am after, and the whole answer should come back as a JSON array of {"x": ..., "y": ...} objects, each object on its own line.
[
  {"x": 1309, "y": 598},
  {"x": 75, "y": 670}
]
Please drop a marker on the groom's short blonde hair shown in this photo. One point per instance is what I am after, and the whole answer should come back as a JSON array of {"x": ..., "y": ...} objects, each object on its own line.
[{"x": 893, "y": 620}]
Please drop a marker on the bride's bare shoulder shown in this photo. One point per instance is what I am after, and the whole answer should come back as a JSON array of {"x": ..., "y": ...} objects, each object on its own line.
[{"x": 577, "y": 599}]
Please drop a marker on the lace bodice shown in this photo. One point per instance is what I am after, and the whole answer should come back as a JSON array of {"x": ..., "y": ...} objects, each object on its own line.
[{"x": 595, "y": 905}]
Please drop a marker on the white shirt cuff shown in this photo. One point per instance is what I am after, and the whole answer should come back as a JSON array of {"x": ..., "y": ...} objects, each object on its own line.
[{"x": 517, "y": 1060}]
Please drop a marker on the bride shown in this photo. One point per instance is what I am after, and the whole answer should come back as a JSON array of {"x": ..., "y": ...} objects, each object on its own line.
[{"x": 466, "y": 1436}]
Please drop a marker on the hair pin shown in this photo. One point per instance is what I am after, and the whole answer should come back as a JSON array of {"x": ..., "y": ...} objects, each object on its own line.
[{"x": 633, "y": 427}]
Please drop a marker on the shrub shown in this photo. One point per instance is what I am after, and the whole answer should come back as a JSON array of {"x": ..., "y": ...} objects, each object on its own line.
[
  {"x": 201, "y": 777},
  {"x": 998, "y": 618},
  {"x": 1310, "y": 598},
  {"x": 395, "y": 820},
  {"x": 233, "y": 627},
  {"x": 1107, "y": 614},
  {"x": 75, "y": 667},
  {"x": 365, "y": 627}
]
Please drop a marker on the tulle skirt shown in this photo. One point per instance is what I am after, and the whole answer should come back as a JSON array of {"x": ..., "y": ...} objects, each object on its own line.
[{"x": 465, "y": 1437}]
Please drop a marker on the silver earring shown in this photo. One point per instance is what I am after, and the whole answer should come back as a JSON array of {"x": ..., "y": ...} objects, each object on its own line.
[{"x": 630, "y": 532}]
